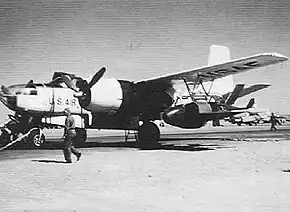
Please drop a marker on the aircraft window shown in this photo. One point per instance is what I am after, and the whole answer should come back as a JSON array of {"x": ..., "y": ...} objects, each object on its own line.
[
  {"x": 40, "y": 85},
  {"x": 27, "y": 91},
  {"x": 29, "y": 85},
  {"x": 33, "y": 92}
]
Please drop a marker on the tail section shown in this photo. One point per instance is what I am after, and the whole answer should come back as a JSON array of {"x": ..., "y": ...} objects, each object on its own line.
[
  {"x": 233, "y": 96},
  {"x": 220, "y": 54},
  {"x": 239, "y": 91}
]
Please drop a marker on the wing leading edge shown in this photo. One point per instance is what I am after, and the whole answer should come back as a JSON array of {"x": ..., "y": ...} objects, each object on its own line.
[{"x": 209, "y": 73}]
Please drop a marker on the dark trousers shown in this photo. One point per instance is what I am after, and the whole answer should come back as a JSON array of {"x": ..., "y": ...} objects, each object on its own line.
[
  {"x": 69, "y": 148},
  {"x": 273, "y": 127}
]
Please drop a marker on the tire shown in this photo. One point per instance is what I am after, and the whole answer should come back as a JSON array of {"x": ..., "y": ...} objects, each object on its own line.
[
  {"x": 34, "y": 139},
  {"x": 80, "y": 138},
  {"x": 148, "y": 136}
]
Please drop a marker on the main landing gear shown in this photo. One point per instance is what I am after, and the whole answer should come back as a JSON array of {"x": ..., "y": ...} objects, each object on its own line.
[{"x": 148, "y": 136}]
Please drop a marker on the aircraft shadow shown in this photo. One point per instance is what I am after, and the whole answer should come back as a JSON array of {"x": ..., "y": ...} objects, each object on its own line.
[
  {"x": 191, "y": 139},
  {"x": 132, "y": 144},
  {"x": 49, "y": 161},
  {"x": 187, "y": 147}
]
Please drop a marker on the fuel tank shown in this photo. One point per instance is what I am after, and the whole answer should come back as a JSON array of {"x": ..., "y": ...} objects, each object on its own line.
[{"x": 187, "y": 115}]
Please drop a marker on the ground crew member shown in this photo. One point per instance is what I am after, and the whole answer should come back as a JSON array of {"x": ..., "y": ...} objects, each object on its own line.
[
  {"x": 69, "y": 135},
  {"x": 273, "y": 122}
]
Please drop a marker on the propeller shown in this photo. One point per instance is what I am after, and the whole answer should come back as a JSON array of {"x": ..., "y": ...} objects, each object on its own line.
[
  {"x": 69, "y": 83},
  {"x": 97, "y": 77},
  {"x": 82, "y": 87}
]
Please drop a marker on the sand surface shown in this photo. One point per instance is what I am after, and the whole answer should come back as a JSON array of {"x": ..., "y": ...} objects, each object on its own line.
[{"x": 233, "y": 176}]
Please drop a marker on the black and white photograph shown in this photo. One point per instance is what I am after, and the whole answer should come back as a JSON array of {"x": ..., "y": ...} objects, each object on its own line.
[{"x": 141, "y": 105}]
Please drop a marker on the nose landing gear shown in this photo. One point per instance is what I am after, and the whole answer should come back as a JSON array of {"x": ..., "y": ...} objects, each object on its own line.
[{"x": 17, "y": 130}]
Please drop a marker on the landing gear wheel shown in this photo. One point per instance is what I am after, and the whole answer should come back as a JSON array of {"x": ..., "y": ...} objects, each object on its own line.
[
  {"x": 35, "y": 139},
  {"x": 148, "y": 136},
  {"x": 81, "y": 137}
]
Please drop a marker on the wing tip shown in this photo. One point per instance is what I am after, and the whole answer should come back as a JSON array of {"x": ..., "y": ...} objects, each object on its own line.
[
  {"x": 264, "y": 84},
  {"x": 277, "y": 55}
]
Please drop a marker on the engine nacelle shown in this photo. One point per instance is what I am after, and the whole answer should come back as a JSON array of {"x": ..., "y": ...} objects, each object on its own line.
[
  {"x": 188, "y": 115},
  {"x": 106, "y": 96},
  {"x": 112, "y": 96},
  {"x": 114, "y": 105}
]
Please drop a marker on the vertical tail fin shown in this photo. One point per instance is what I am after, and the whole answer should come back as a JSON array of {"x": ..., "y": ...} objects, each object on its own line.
[
  {"x": 220, "y": 54},
  {"x": 251, "y": 103},
  {"x": 232, "y": 98}
]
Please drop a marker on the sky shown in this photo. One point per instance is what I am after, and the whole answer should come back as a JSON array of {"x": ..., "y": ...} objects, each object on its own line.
[{"x": 138, "y": 39}]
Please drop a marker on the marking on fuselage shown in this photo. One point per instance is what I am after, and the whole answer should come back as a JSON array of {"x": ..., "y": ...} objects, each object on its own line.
[{"x": 67, "y": 102}]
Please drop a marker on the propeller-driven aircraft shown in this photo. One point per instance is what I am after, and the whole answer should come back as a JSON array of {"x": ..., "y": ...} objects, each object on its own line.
[{"x": 119, "y": 104}]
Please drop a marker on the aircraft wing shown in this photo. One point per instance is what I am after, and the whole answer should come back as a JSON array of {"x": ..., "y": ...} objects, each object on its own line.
[{"x": 209, "y": 73}]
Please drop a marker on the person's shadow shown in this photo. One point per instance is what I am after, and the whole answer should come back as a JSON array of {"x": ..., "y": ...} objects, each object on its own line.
[{"x": 49, "y": 161}]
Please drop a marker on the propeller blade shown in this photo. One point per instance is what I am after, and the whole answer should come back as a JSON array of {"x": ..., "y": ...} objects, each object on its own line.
[
  {"x": 97, "y": 77},
  {"x": 68, "y": 83}
]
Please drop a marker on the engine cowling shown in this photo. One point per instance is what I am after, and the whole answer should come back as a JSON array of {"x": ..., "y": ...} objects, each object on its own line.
[
  {"x": 114, "y": 105},
  {"x": 105, "y": 96},
  {"x": 188, "y": 115},
  {"x": 112, "y": 96}
]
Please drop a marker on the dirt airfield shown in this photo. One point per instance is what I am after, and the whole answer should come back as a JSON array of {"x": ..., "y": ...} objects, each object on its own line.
[{"x": 212, "y": 169}]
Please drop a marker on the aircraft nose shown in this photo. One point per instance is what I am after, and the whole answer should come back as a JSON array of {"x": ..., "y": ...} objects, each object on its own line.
[{"x": 5, "y": 90}]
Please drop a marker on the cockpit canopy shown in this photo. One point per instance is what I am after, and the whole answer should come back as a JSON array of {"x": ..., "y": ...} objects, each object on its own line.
[{"x": 24, "y": 89}]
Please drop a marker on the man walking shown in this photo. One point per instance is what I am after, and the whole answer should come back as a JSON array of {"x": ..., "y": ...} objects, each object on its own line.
[
  {"x": 273, "y": 122},
  {"x": 69, "y": 135}
]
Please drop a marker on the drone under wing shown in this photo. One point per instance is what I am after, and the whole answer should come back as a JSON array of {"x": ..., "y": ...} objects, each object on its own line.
[{"x": 209, "y": 73}]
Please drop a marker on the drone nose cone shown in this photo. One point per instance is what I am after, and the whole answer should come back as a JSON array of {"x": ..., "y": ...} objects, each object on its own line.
[{"x": 173, "y": 115}]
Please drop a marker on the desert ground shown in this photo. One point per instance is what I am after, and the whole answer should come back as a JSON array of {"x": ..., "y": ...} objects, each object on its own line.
[{"x": 211, "y": 169}]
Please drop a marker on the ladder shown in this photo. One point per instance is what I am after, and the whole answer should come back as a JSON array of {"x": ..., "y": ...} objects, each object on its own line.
[{"x": 129, "y": 134}]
